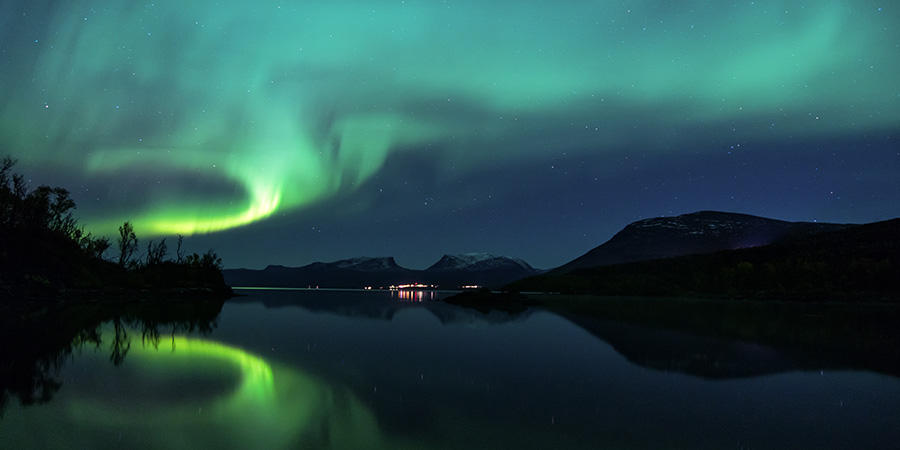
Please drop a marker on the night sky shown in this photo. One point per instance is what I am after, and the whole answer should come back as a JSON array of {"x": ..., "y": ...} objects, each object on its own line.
[{"x": 288, "y": 132}]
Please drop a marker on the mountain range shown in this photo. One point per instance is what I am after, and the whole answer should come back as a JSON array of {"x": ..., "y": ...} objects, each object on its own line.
[
  {"x": 703, "y": 253},
  {"x": 450, "y": 272},
  {"x": 713, "y": 254}
]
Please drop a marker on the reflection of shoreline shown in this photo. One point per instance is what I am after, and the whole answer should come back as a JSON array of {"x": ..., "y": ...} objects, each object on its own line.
[
  {"x": 267, "y": 402},
  {"x": 37, "y": 346},
  {"x": 374, "y": 304},
  {"x": 717, "y": 338},
  {"x": 683, "y": 352},
  {"x": 709, "y": 339}
]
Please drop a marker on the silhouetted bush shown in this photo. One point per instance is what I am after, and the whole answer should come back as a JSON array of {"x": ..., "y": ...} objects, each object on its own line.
[{"x": 44, "y": 253}]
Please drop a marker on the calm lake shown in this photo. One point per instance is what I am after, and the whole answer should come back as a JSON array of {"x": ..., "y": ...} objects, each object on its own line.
[{"x": 369, "y": 370}]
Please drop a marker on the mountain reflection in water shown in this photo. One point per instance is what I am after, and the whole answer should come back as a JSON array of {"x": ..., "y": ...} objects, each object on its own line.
[
  {"x": 685, "y": 348},
  {"x": 338, "y": 369}
]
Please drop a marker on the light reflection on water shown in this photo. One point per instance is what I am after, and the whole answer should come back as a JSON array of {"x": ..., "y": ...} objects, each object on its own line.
[
  {"x": 384, "y": 370},
  {"x": 406, "y": 295},
  {"x": 255, "y": 403}
]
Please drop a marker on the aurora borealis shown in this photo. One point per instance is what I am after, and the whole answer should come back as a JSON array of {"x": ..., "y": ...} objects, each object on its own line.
[{"x": 287, "y": 132}]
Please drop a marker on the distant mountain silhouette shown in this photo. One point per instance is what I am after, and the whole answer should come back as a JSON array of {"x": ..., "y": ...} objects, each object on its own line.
[
  {"x": 695, "y": 233},
  {"x": 479, "y": 261},
  {"x": 347, "y": 273},
  {"x": 450, "y": 272},
  {"x": 364, "y": 264},
  {"x": 479, "y": 269},
  {"x": 801, "y": 260}
]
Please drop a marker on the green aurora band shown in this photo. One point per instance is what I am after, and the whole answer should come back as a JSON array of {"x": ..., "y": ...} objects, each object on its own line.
[{"x": 292, "y": 103}]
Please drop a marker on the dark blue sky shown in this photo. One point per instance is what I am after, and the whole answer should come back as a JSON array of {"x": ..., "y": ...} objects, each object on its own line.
[{"x": 293, "y": 132}]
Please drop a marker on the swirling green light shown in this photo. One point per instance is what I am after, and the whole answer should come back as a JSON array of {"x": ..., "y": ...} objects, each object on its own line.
[{"x": 295, "y": 102}]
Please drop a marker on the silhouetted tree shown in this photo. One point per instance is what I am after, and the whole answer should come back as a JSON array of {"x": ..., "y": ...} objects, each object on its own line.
[
  {"x": 43, "y": 250},
  {"x": 41, "y": 243},
  {"x": 97, "y": 246},
  {"x": 44, "y": 209},
  {"x": 156, "y": 253},
  {"x": 12, "y": 193},
  {"x": 208, "y": 260},
  {"x": 179, "y": 250},
  {"x": 128, "y": 243},
  {"x": 120, "y": 343}
]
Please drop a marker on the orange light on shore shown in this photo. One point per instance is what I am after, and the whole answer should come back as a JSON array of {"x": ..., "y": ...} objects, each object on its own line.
[{"x": 413, "y": 286}]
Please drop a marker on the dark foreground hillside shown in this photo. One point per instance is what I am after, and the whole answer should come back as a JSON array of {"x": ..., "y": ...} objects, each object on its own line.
[
  {"x": 861, "y": 262},
  {"x": 47, "y": 258}
]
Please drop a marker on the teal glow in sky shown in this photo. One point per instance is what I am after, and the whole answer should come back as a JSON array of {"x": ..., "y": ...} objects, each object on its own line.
[{"x": 374, "y": 119}]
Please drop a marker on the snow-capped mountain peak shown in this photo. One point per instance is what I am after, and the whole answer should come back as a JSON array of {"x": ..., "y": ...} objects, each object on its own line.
[
  {"x": 468, "y": 259},
  {"x": 479, "y": 261},
  {"x": 367, "y": 263}
]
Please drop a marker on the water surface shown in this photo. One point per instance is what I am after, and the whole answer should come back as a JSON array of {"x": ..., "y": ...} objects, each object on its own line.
[{"x": 336, "y": 369}]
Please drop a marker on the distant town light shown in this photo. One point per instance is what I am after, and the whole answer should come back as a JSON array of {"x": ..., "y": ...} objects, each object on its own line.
[{"x": 412, "y": 286}]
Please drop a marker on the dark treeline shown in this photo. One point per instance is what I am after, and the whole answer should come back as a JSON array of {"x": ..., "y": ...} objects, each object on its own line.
[
  {"x": 46, "y": 255},
  {"x": 858, "y": 263}
]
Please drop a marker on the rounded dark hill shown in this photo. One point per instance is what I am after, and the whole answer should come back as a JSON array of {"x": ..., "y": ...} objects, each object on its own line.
[
  {"x": 855, "y": 263},
  {"x": 696, "y": 233}
]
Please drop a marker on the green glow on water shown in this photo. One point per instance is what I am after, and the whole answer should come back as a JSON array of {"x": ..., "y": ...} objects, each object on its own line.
[
  {"x": 256, "y": 389},
  {"x": 270, "y": 406}
]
